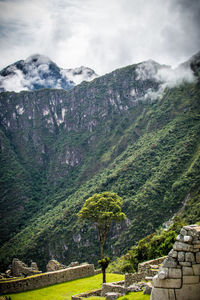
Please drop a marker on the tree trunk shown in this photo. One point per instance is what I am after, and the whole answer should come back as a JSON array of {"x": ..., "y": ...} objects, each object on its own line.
[
  {"x": 102, "y": 256},
  {"x": 104, "y": 274}
]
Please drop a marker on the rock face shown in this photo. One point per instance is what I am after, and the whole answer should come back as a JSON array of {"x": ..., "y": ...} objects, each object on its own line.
[
  {"x": 20, "y": 269},
  {"x": 54, "y": 265},
  {"x": 179, "y": 276}
]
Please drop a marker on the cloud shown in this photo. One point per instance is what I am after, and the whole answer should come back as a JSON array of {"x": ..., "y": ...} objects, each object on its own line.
[
  {"x": 100, "y": 34},
  {"x": 40, "y": 72},
  {"x": 164, "y": 75}
]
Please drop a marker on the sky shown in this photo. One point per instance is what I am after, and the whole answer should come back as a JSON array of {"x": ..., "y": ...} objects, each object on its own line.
[{"x": 101, "y": 34}]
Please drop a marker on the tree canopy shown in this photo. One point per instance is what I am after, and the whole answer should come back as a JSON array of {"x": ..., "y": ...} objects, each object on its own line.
[{"x": 102, "y": 209}]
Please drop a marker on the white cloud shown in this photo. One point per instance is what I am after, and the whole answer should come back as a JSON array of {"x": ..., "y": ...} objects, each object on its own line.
[
  {"x": 100, "y": 34},
  {"x": 15, "y": 83},
  {"x": 164, "y": 75}
]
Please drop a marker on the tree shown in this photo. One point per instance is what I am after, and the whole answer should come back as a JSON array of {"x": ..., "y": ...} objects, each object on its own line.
[
  {"x": 102, "y": 209},
  {"x": 104, "y": 262}
]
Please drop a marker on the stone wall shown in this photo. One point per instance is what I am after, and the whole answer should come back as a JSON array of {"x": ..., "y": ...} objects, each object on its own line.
[
  {"x": 46, "y": 279},
  {"x": 115, "y": 287},
  {"x": 147, "y": 267},
  {"x": 144, "y": 270},
  {"x": 179, "y": 276},
  {"x": 95, "y": 293}
]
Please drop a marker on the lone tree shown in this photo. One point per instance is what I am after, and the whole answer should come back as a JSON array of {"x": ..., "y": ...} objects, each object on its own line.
[{"x": 102, "y": 209}]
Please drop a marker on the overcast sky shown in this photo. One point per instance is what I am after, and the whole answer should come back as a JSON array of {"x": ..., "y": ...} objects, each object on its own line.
[{"x": 100, "y": 34}]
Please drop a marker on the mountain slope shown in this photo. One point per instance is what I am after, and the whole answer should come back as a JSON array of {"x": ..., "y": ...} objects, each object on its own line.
[
  {"x": 107, "y": 134},
  {"x": 38, "y": 71}
]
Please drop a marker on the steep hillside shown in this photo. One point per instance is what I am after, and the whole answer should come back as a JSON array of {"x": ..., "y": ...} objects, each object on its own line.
[{"x": 130, "y": 131}]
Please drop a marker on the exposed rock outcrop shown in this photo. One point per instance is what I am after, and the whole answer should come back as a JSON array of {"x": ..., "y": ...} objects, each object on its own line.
[
  {"x": 54, "y": 265},
  {"x": 20, "y": 269}
]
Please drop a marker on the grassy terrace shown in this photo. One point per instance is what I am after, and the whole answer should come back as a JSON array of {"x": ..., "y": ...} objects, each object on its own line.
[{"x": 64, "y": 291}]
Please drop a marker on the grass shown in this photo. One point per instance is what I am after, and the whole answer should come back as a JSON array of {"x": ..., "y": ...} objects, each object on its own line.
[
  {"x": 64, "y": 291},
  {"x": 130, "y": 296},
  {"x": 135, "y": 296}
]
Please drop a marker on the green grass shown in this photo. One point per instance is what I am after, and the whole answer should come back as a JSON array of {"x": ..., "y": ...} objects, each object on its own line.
[
  {"x": 130, "y": 296},
  {"x": 135, "y": 296},
  {"x": 64, "y": 291}
]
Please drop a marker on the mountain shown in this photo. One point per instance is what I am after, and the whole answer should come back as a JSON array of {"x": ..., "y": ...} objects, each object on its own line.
[
  {"x": 134, "y": 131},
  {"x": 38, "y": 71}
]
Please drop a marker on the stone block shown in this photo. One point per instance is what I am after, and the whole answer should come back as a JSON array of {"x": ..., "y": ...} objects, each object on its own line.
[
  {"x": 189, "y": 256},
  {"x": 181, "y": 256},
  {"x": 196, "y": 269},
  {"x": 163, "y": 273},
  {"x": 187, "y": 239},
  {"x": 162, "y": 294},
  {"x": 188, "y": 292},
  {"x": 193, "y": 233},
  {"x": 195, "y": 250},
  {"x": 197, "y": 246},
  {"x": 185, "y": 264},
  {"x": 169, "y": 262},
  {"x": 147, "y": 290},
  {"x": 180, "y": 238},
  {"x": 198, "y": 257},
  {"x": 54, "y": 265},
  {"x": 112, "y": 296},
  {"x": 171, "y": 294},
  {"x": 188, "y": 271},
  {"x": 173, "y": 253},
  {"x": 109, "y": 288},
  {"x": 174, "y": 273},
  {"x": 183, "y": 231},
  {"x": 133, "y": 288},
  {"x": 179, "y": 246},
  {"x": 166, "y": 283},
  {"x": 34, "y": 266},
  {"x": 195, "y": 241},
  {"x": 190, "y": 279}
]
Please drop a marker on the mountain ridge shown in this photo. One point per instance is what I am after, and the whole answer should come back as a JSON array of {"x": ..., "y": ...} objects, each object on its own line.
[
  {"x": 38, "y": 71},
  {"x": 59, "y": 147}
]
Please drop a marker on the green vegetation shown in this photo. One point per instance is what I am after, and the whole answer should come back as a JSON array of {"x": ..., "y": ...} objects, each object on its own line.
[
  {"x": 64, "y": 291},
  {"x": 130, "y": 296},
  {"x": 146, "y": 152},
  {"x": 102, "y": 210},
  {"x": 135, "y": 296},
  {"x": 155, "y": 245}
]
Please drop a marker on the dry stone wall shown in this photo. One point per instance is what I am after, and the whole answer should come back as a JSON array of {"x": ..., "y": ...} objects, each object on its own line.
[
  {"x": 144, "y": 270},
  {"x": 115, "y": 287},
  {"x": 46, "y": 279},
  {"x": 179, "y": 276},
  {"x": 95, "y": 293}
]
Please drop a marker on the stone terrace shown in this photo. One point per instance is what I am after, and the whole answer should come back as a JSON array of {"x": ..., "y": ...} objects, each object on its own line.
[{"x": 46, "y": 279}]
